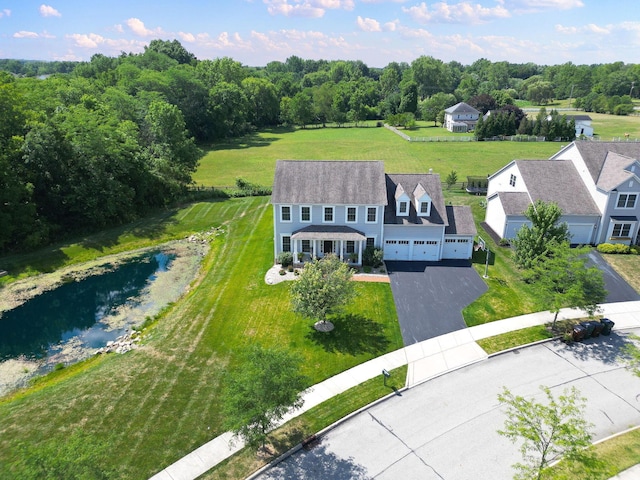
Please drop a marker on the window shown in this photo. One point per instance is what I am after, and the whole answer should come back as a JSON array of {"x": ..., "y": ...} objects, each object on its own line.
[
  {"x": 403, "y": 242},
  {"x": 328, "y": 214},
  {"x": 352, "y": 214},
  {"x": 285, "y": 213},
  {"x": 402, "y": 208},
  {"x": 306, "y": 246},
  {"x": 512, "y": 180},
  {"x": 305, "y": 214},
  {"x": 424, "y": 208},
  {"x": 351, "y": 246},
  {"x": 449, "y": 240},
  {"x": 286, "y": 244},
  {"x": 372, "y": 214},
  {"x": 627, "y": 200},
  {"x": 370, "y": 242},
  {"x": 621, "y": 230}
]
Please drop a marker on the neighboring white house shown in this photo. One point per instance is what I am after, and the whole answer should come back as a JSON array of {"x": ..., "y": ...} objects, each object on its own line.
[
  {"x": 583, "y": 124},
  {"x": 342, "y": 207},
  {"x": 596, "y": 184},
  {"x": 461, "y": 118}
]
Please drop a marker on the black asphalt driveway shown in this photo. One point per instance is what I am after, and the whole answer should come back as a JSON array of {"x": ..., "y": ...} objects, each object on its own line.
[
  {"x": 430, "y": 296},
  {"x": 618, "y": 289}
]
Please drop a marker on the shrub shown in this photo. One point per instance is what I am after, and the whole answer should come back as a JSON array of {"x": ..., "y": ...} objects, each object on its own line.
[
  {"x": 634, "y": 249},
  {"x": 366, "y": 269},
  {"x": 504, "y": 242},
  {"x": 290, "y": 268},
  {"x": 372, "y": 257},
  {"x": 282, "y": 271},
  {"x": 613, "y": 248},
  {"x": 285, "y": 259}
]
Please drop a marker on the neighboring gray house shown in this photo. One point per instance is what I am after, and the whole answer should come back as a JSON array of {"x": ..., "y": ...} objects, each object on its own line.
[
  {"x": 342, "y": 207},
  {"x": 596, "y": 184},
  {"x": 461, "y": 118}
]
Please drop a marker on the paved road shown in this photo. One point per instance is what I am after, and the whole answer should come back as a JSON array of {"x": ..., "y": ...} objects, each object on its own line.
[
  {"x": 446, "y": 427},
  {"x": 430, "y": 296}
]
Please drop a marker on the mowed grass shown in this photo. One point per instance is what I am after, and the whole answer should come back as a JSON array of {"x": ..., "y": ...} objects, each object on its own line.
[
  {"x": 609, "y": 127},
  {"x": 253, "y": 157},
  {"x": 142, "y": 411},
  {"x": 628, "y": 266}
]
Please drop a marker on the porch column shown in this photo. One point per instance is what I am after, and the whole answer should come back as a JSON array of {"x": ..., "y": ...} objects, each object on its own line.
[
  {"x": 295, "y": 251},
  {"x": 313, "y": 249},
  {"x": 341, "y": 250},
  {"x": 360, "y": 252}
]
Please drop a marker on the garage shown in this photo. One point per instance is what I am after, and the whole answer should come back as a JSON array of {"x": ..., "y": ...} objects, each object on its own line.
[
  {"x": 457, "y": 248},
  {"x": 425, "y": 250},
  {"x": 581, "y": 233},
  {"x": 396, "y": 249},
  {"x": 513, "y": 227}
]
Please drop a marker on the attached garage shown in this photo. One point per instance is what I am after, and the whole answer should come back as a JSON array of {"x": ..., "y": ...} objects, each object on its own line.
[
  {"x": 457, "y": 248},
  {"x": 396, "y": 249},
  {"x": 513, "y": 226},
  {"x": 581, "y": 233},
  {"x": 425, "y": 250}
]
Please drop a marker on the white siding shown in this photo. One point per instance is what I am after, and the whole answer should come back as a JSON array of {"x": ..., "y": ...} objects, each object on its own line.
[{"x": 495, "y": 216}]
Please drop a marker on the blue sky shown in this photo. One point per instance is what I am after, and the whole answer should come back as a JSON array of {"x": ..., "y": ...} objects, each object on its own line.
[{"x": 377, "y": 32}]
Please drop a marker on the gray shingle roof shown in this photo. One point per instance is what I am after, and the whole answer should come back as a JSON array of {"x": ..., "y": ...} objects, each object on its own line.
[
  {"x": 595, "y": 153},
  {"x": 329, "y": 182},
  {"x": 460, "y": 221},
  {"x": 328, "y": 232},
  {"x": 514, "y": 203},
  {"x": 409, "y": 181},
  {"x": 461, "y": 108},
  {"x": 557, "y": 181},
  {"x": 614, "y": 171}
]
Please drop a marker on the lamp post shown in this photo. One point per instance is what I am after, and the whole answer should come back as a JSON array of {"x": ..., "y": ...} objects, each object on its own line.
[{"x": 385, "y": 375}]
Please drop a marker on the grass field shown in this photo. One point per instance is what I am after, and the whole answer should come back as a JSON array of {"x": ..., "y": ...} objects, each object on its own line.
[
  {"x": 253, "y": 157},
  {"x": 150, "y": 407}
]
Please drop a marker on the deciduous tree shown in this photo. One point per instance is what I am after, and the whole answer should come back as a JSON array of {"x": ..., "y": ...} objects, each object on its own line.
[
  {"x": 548, "y": 431},
  {"x": 266, "y": 385}
]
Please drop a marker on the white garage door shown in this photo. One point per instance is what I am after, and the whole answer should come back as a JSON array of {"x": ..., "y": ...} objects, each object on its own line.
[
  {"x": 456, "y": 248},
  {"x": 580, "y": 233},
  {"x": 396, "y": 250},
  {"x": 425, "y": 250}
]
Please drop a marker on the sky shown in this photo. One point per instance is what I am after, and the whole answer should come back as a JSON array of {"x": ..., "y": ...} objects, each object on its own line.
[{"x": 377, "y": 32}]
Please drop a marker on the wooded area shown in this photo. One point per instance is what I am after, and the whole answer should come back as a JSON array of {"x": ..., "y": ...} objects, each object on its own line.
[{"x": 92, "y": 144}]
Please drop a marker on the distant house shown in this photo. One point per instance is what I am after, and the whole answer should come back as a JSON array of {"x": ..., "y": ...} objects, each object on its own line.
[
  {"x": 596, "y": 184},
  {"x": 342, "y": 207},
  {"x": 583, "y": 124},
  {"x": 461, "y": 118}
]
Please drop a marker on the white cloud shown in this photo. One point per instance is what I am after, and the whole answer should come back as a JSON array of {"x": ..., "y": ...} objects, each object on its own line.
[
  {"x": 48, "y": 11},
  {"x": 591, "y": 28},
  {"x": 5, "y": 13},
  {"x": 137, "y": 26},
  {"x": 91, "y": 40},
  {"x": 391, "y": 26},
  {"x": 306, "y": 8},
  {"x": 530, "y": 6},
  {"x": 25, "y": 34},
  {"x": 187, "y": 37},
  {"x": 368, "y": 24},
  {"x": 463, "y": 12}
]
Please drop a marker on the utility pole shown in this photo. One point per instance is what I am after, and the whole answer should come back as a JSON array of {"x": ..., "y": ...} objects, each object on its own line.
[{"x": 633, "y": 83}]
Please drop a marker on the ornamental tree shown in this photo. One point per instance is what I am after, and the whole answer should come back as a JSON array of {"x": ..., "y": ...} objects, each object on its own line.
[
  {"x": 323, "y": 287},
  {"x": 548, "y": 431}
]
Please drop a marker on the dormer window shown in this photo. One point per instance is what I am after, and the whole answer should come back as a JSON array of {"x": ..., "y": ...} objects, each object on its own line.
[
  {"x": 425, "y": 209},
  {"x": 403, "y": 208}
]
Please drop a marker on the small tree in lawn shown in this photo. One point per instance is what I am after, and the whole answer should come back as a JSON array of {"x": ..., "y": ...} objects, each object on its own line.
[
  {"x": 323, "y": 287},
  {"x": 548, "y": 431},
  {"x": 266, "y": 386},
  {"x": 562, "y": 280},
  {"x": 451, "y": 179},
  {"x": 531, "y": 243}
]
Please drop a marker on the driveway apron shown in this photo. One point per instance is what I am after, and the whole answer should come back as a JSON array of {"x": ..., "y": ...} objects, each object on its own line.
[
  {"x": 430, "y": 296},
  {"x": 618, "y": 289}
]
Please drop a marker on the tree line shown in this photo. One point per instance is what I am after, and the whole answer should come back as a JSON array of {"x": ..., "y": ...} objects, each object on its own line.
[{"x": 87, "y": 145}]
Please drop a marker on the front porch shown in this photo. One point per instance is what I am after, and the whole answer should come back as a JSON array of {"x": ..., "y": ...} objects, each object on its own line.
[{"x": 316, "y": 241}]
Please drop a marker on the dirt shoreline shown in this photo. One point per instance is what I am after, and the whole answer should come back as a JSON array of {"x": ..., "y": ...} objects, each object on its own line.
[{"x": 167, "y": 287}]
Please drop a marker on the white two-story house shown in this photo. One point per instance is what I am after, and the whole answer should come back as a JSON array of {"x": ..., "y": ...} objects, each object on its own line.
[
  {"x": 596, "y": 184},
  {"x": 342, "y": 207},
  {"x": 461, "y": 118}
]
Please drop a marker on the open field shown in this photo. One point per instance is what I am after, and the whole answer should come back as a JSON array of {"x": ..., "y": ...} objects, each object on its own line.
[
  {"x": 253, "y": 157},
  {"x": 149, "y": 407}
]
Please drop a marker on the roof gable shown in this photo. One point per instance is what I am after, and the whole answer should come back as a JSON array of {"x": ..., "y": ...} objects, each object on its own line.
[
  {"x": 329, "y": 182},
  {"x": 615, "y": 170},
  {"x": 594, "y": 154},
  {"x": 461, "y": 108}
]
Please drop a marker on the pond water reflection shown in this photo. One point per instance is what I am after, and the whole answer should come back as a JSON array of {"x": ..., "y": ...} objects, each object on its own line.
[{"x": 77, "y": 311}]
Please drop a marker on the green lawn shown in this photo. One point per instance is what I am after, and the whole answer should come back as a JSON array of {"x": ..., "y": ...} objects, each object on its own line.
[
  {"x": 253, "y": 157},
  {"x": 150, "y": 407}
]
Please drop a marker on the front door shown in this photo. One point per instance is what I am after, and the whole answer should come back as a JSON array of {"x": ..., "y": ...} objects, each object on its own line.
[{"x": 328, "y": 247}]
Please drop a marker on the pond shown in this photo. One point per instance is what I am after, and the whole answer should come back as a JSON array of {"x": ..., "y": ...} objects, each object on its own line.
[{"x": 77, "y": 312}]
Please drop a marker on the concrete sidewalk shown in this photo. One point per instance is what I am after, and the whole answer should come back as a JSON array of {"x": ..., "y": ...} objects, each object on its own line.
[{"x": 425, "y": 360}]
